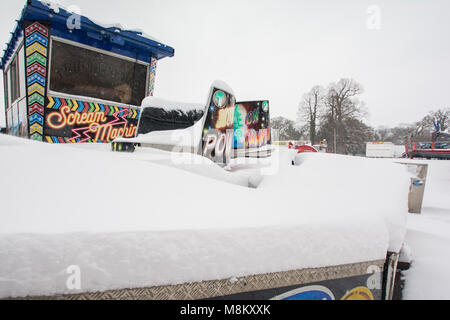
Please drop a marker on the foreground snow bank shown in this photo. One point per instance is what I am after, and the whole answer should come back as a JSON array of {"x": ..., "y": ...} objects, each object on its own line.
[
  {"x": 428, "y": 237},
  {"x": 38, "y": 264},
  {"x": 346, "y": 187},
  {"x": 128, "y": 222}
]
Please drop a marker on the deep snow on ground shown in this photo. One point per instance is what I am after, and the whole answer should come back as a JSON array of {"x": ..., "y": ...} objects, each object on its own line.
[
  {"x": 428, "y": 237},
  {"x": 145, "y": 219}
]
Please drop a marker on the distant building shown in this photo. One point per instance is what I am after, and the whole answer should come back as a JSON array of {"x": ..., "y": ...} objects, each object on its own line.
[{"x": 68, "y": 79}]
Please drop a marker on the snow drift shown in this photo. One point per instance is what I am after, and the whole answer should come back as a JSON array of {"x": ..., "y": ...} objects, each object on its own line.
[{"x": 136, "y": 220}]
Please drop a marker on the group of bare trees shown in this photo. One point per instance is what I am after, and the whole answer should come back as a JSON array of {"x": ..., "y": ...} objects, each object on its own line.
[
  {"x": 337, "y": 115},
  {"x": 421, "y": 131}
]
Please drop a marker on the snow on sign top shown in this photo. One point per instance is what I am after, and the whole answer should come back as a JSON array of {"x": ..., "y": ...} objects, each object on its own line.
[
  {"x": 222, "y": 85},
  {"x": 53, "y": 6},
  {"x": 110, "y": 37},
  {"x": 56, "y": 7}
]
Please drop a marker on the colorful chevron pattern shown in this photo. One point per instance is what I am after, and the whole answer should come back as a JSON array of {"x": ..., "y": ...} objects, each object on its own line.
[
  {"x": 119, "y": 116},
  {"x": 61, "y": 140},
  {"x": 85, "y": 107},
  {"x": 153, "y": 66},
  {"x": 36, "y": 48}
]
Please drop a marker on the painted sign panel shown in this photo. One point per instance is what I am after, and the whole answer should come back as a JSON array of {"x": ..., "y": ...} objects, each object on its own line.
[
  {"x": 229, "y": 126},
  {"x": 73, "y": 121},
  {"x": 352, "y": 288},
  {"x": 252, "y": 125},
  {"x": 218, "y": 129},
  {"x": 308, "y": 294},
  {"x": 360, "y": 293},
  {"x": 36, "y": 57},
  {"x": 152, "y": 76}
]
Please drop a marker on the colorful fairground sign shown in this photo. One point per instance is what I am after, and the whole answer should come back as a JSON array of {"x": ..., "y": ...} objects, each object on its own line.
[{"x": 225, "y": 129}]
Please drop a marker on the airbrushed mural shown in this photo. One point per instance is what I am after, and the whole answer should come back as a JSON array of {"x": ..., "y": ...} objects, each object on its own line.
[
  {"x": 218, "y": 132},
  {"x": 73, "y": 121},
  {"x": 365, "y": 287},
  {"x": 251, "y": 125},
  {"x": 234, "y": 126}
]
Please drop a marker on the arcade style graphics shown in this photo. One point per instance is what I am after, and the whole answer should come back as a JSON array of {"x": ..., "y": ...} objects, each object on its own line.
[
  {"x": 217, "y": 142},
  {"x": 72, "y": 121},
  {"x": 76, "y": 85},
  {"x": 36, "y": 52}
]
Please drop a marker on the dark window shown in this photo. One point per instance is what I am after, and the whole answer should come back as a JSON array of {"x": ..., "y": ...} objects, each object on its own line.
[
  {"x": 5, "y": 85},
  {"x": 14, "y": 80},
  {"x": 83, "y": 72}
]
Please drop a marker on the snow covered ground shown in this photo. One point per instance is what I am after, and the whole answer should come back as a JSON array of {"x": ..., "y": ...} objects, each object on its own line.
[
  {"x": 428, "y": 237},
  {"x": 152, "y": 218}
]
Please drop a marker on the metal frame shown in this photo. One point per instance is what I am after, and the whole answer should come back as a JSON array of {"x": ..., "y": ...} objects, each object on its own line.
[{"x": 90, "y": 99}]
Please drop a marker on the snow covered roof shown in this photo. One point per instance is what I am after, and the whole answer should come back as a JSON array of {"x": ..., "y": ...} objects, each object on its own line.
[{"x": 113, "y": 38}]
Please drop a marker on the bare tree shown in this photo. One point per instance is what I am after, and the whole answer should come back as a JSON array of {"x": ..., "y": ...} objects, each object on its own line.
[
  {"x": 342, "y": 105},
  {"x": 442, "y": 117},
  {"x": 310, "y": 109},
  {"x": 286, "y": 128}
]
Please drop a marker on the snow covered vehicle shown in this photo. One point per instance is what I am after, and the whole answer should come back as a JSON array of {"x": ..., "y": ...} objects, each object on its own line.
[{"x": 222, "y": 130}]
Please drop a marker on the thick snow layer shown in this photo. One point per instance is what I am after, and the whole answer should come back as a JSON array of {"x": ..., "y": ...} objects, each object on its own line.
[
  {"x": 56, "y": 7},
  {"x": 222, "y": 85},
  {"x": 128, "y": 221},
  {"x": 346, "y": 187},
  {"x": 181, "y": 139},
  {"x": 428, "y": 238},
  {"x": 171, "y": 105}
]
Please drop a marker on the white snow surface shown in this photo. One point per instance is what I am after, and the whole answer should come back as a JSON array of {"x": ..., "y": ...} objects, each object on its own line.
[
  {"x": 171, "y": 105},
  {"x": 222, "y": 85},
  {"x": 141, "y": 220},
  {"x": 180, "y": 140},
  {"x": 56, "y": 7},
  {"x": 428, "y": 238}
]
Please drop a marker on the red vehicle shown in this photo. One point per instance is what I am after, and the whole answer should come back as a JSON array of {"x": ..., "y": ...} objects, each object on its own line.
[{"x": 302, "y": 149}]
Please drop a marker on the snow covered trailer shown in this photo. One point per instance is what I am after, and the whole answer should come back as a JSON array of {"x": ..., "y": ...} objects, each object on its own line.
[
  {"x": 360, "y": 281},
  {"x": 69, "y": 79}
]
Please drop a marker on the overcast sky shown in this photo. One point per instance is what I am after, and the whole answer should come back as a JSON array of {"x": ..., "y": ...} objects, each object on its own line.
[{"x": 279, "y": 49}]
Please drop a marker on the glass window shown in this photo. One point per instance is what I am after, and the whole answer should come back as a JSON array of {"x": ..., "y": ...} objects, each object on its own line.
[
  {"x": 14, "y": 80},
  {"x": 15, "y": 120},
  {"x": 23, "y": 120},
  {"x": 5, "y": 86},
  {"x": 21, "y": 68},
  {"x": 9, "y": 121},
  {"x": 88, "y": 73}
]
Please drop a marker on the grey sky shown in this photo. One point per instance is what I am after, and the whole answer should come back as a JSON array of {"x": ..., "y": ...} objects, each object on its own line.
[{"x": 278, "y": 50}]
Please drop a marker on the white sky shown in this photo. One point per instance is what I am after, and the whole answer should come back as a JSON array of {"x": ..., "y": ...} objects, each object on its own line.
[{"x": 278, "y": 50}]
